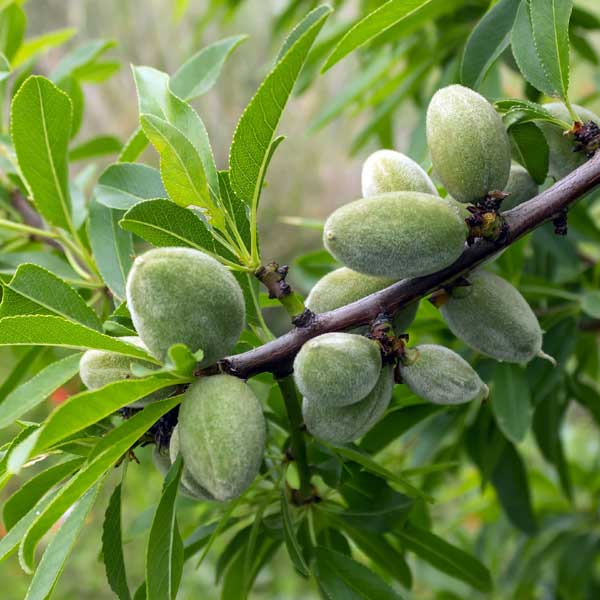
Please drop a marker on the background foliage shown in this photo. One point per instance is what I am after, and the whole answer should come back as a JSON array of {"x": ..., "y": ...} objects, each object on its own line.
[{"x": 515, "y": 482}]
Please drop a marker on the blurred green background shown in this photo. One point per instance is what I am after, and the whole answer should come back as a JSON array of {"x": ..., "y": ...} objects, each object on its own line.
[{"x": 309, "y": 178}]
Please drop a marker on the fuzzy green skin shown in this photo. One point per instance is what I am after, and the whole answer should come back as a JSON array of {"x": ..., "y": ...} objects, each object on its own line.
[
  {"x": 390, "y": 171},
  {"x": 98, "y": 368},
  {"x": 469, "y": 146},
  {"x": 188, "y": 485},
  {"x": 562, "y": 158},
  {"x": 520, "y": 187},
  {"x": 396, "y": 235},
  {"x": 494, "y": 319},
  {"x": 340, "y": 425},
  {"x": 337, "y": 369},
  {"x": 343, "y": 286},
  {"x": 441, "y": 376},
  {"x": 183, "y": 296},
  {"x": 222, "y": 435}
]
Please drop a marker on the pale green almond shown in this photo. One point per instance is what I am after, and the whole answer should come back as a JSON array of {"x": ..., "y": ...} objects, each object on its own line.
[
  {"x": 562, "y": 158},
  {"x": 492, "y": 317},
  {"x": 397, "y": 235},
  {"x": 344, "y": 424},
  {"x": 337, "y": 369},
  {"x": 222, "y": 435},
  {"x": 390, "y": 171},
  {"x": 470, "y": 149},
  {"x": 520, "y": 187},
  {"x": 441, "y": 376},
  {"x": 344, "y": 286},
  {"x": 183, "y": 296}
]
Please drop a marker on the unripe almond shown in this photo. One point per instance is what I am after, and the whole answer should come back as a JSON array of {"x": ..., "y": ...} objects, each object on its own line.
[
  {"x": 520, "y": 187},
  {"x": 221, "y": 435},
  {"x": 98, "y": 368},
  {"x": 441, "y": 376},
  {"x": 562, "y": 159},
  {"x": 491, "y": 316},
  {"x": 469, "y": 146},
  {"x": 397, "y": 235},
  {"x": 391, "y": 171},
  {"x": 343, "y": 286},
  {"x": 337, "y": 369},
  {"x": 183, "y": 296},
  {"x": 343, "y": 424}
]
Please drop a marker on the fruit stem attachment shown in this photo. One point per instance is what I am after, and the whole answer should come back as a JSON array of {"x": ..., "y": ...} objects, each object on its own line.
[
  {"x": 272, "y": 276},
  {"x": 298, "y": 447}
]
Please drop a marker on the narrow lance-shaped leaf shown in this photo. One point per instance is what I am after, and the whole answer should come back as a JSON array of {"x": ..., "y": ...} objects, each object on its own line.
[
  {"x": 112, "y": 246},
  {"x": 550, "y": 25},
  {"x": 291, "y": 541},
  {"x": 112, "y": 547},
  {"x": 48, "y": 330},
  {"x": 40, "y": 127},
  {"x": 35, "y": 390},
  {"x": 56, "y": 553},
  {"x": 256, "y": 128},
  {"x": 35, "y": 291},
  {"x": 487, "y": 41},
  {"x": 123, "y": 185},
  {"x": 113, "y": 446},
  {"x": 531, "y": 149},
  {"x": 32, "y": 47},
  {"x": 100, "y": 145},
  {"x": 164, "y": 556}
]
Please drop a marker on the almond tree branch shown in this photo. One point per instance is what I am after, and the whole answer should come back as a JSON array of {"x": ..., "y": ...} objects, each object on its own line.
[{"x": 277, "y": 356}]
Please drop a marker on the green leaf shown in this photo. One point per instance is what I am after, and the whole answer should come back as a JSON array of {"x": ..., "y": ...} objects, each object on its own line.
[
  {"x": 18, "y": 370},
  {"x": 524, "y": 52},
  {"x": 200, "y": 72},
  {"x": 382, "y": 553},
  {"x": 77, "y": 62},
  {"x": 590, "y": 303},
  {"x": 517, "y": 111},
  {"x": 445, "y": 557},
  {"x": 164, "y": 556},
  {"x": 235, "y": 207},
  {"x": 512, "y": 486},
  {"x": 40, "y": 128},
  {"x": 112, "y": 547},
  {"x": 10, "y": 261},
  {"x": 487, "y": 42},
  {"x": 58, "y": 550},
  {"x": 511, "y": 402},
  {"x": 36, "y": 45},
  {"x": 254, "y": 133},
  {"x": 30, "y": 493},
  {"x": 112, "y": 247},
  {"x": 111, "y": 448},
  {"x": 291, "y": 541},
  {"x": 380, "y": 20},
  {"x": 35, "y": 291},
  {"x": 531, "y": 149},
  {"x": 35, "y": 390},
  {"x": 5, "y": 70},
  {"x": 162, "y": 223},
  {"x": 180, "y": 165},
  {"x": 48, "y": 330},
  {"x": 123, "y": 185},
  {"x": 73, "y": 89},
  {"x": 101, "y": 145},
  {"x": 339, "y": 576},
  {"x": 13, "y": 23},
  {"x": 134, "y": 146},
  {"x": 550, "y": 25}
]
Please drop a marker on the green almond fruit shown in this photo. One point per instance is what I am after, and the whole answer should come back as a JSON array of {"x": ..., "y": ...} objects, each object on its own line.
[
  {"x": 337, "y": 369},
  {"x": 470, "y": 149},
  {"x": 492, "y": 317},
  {"x": 441, "y": 376},
  {"x": 188, "y": 485},
  {"x": 183, "y": 296},
  {"x": 520, "y": 187},
  {"x": 344, "y": 424},
  {"x": 221, "y": 435},
  {"x": 397, "y": 235},
  {"x": 562, "y": 159},
  {"x": 390, "y": 171},
  {"x": 98, "y": 368},
  {"x": 344, "y": 286}
]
